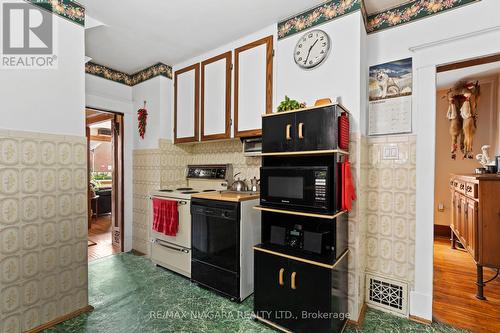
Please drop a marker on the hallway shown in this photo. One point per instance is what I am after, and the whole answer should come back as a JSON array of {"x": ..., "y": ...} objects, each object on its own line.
[{"x": 455, "y": 289}]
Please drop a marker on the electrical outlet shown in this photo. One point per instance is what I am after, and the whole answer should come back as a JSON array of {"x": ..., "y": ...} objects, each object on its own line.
[
  {"x": 390, "y": 152},
  {"x": 440, "y": 207}
]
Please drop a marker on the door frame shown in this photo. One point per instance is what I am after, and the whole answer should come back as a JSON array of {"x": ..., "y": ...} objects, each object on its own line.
[
  {"x": 119, "y": 199},
  {"x": 427, "y": 57}
]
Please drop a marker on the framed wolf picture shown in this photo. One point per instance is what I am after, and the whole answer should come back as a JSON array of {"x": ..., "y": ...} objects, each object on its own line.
[{"x": 390, "y": 90}]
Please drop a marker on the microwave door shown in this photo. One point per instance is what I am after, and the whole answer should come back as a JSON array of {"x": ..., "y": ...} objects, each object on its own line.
[{"x": 287, "y": 186}]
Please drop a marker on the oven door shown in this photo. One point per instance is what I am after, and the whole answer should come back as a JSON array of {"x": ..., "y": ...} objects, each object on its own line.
[{"x": 297, "y": 188}]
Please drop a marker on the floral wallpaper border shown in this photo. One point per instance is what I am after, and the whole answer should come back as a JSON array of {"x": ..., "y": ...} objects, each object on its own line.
[
  {"x": 406, "y": 13},
  {"x": 317, "y": 15},
  {"x": 67, "y": 9},
  {"x": 411, "y": 11},
  {"x": 128, "y": 79}
]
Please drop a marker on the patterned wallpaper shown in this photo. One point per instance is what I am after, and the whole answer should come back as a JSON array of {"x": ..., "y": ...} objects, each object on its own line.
[
  {"x": 391, "y": 190},
  {"x": 68, "y": 9},
  {"x": 43, "y": 228},
  {"x": 408, "y": 12},
  {"x": 111, "y": 74},
  {"x": 357, "y": 226},
  {"x": 165, "y": 168}
]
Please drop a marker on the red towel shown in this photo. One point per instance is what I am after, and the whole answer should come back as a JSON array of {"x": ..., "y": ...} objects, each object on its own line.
[
  {"x": 348, "y": 190},
  {"x": 165, "y": 216}
]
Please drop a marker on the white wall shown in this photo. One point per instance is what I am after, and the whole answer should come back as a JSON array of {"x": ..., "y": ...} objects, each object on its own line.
[
  {"x": 449, "y": 37},
  {"x": 48, "y": 100},
  {"x": 157, "y": 93},
  {"x": 339, "y": 75}
]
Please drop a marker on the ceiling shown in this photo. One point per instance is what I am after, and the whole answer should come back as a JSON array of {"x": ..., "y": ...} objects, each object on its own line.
[
  {"x": 137, "y": 34},
  {"x": 448, "y": 79}
]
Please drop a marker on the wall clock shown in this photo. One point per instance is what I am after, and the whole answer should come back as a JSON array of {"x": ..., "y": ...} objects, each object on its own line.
[{"x": 312, "y": 49}]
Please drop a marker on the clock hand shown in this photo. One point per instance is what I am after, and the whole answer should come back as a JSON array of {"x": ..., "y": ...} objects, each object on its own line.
[{"x": 308, "y": 53}]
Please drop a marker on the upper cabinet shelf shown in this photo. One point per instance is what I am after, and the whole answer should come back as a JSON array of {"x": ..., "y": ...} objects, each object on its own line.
[
  {"x": 253, "y": 86},
  {"x": 186, "y": 104},
  {"x": 202, "y": 108},
  {"x": 216, "y": 97},
  {"x": 306, "y": 131}
]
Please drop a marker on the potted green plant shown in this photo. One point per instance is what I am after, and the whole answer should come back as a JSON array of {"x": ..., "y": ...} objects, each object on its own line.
[{"x": 290, "y": 104}]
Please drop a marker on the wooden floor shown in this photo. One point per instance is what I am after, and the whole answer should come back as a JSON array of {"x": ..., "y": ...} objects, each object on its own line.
[
  {"x": 100, "y": 233},
  {"x": 455, "y": 289}
]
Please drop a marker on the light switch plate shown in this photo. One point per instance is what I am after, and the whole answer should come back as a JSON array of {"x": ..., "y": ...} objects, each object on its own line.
[{"x": 390, "y": 152}]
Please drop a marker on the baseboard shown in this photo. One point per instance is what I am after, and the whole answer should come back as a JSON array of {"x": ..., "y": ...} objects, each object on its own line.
[
  {"x": 358, "y": 323},
  {"x": 420, "y": 320},
  {"x": 59, "y": 320},
  {"x": 442, "y": 231},
  {"x": 137, "y": 253}
]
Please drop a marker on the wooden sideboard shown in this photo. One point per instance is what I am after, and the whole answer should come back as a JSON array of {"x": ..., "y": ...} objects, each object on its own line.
[{"x": 475, "y": 220}]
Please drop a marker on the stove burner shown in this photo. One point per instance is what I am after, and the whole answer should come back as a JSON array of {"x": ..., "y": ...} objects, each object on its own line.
[
  {"x": 189, "y": 192},
  {"x": 184, "y": 189},
  {"x": 167, "y": 190}
]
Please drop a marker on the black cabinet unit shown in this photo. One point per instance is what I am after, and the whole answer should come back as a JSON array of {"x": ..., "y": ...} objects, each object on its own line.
[
  {"x": 299, "y": 295},
  {"x": 300, "y": 268},
  {"x": 314, "y": 129}
]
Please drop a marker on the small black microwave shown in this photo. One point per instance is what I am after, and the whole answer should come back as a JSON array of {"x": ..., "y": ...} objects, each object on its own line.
[{"x": 301, "y": 188}]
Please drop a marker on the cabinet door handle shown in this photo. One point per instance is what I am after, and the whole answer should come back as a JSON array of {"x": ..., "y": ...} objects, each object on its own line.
[
  {"x": 288, "y": 136},
  {"x": 280, "y": 276},
  {"x": 293, "y": 281},
  {"x": 301, "y": 127}
]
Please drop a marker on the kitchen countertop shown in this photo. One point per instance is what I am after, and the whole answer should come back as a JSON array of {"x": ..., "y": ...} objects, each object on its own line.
[{"x": 227, "y": 196}]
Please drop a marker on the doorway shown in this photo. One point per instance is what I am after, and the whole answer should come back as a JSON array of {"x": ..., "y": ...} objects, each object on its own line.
[
  {"x": 105, "y": 171},
  {"x": 455, "y": 270}
]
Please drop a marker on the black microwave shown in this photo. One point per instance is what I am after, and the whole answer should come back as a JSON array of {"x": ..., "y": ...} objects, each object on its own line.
[{"x": 301, "y": 188}]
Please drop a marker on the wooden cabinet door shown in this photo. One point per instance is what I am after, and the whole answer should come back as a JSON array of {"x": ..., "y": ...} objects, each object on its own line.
[
  {"x": 316, "y": 130},
  {"x": 457, "y": 213},
  {"x": 463, "y": 220},
  {"x": 271, "y": 288},
  {"x": 472, "y": 228},
  {"x": 280, "y": 133},
  {"x": 216, "y": 97},
  {"x": 186, "y": 104},
  {"x": 253, "y": 84},
  {"x": 452, "y": 210},
  {"x": 309, "y": 293}
]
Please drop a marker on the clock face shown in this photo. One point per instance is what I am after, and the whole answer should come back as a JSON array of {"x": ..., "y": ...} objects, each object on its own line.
[{"x": 312, "y": 49}]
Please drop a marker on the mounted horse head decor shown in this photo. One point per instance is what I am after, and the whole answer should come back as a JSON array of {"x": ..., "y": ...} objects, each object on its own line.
[{"x": 464, "y": 96}]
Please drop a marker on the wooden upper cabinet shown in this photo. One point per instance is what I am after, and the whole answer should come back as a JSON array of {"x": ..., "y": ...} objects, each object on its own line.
[
  {"x": 216, "y": 97},
  {"x": 253, "y": 85},
  {"x": 186, "y": 104}
]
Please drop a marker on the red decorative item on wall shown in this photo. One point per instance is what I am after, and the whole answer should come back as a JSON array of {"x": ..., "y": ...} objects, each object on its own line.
[{"x": 142, "y": 117}]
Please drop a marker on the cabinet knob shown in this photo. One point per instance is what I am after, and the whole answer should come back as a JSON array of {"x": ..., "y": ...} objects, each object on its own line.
[
  {"x": 280, "y": 276},
  {"x": 293, "y": 281},
  {"x": 288, "y": 135}
]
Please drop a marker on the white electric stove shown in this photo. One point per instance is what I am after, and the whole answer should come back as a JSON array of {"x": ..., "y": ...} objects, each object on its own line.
[{"x": 174, "y": 252}]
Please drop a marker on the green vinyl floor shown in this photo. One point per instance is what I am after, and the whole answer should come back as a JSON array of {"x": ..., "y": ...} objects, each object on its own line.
[{"x": 130, "y": 294}]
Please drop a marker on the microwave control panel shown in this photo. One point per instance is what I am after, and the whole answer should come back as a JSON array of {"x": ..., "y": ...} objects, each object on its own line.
[{"x": 320, "y": 186}]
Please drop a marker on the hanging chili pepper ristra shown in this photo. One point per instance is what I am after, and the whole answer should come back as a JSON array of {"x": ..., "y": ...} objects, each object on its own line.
[{"x": 142, "y": 117}]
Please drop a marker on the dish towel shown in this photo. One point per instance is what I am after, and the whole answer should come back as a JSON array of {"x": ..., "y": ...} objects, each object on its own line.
[
  {"x": 165, "y": 216},
  {"x": 348, "y": 190}
]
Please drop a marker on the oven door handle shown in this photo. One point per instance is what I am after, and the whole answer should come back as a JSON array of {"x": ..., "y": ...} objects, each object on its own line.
[{"x": 180, "y": 249}]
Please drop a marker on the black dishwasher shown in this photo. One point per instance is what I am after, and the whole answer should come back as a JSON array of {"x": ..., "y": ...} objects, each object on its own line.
[{"x": 215, "y": 241}]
